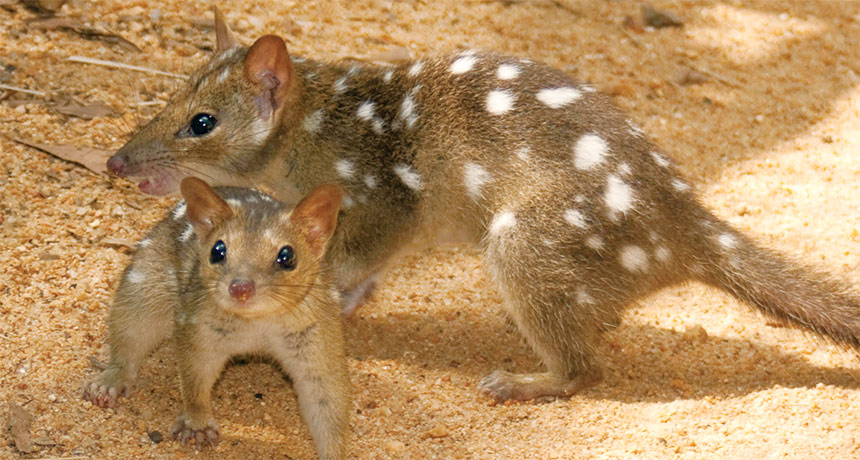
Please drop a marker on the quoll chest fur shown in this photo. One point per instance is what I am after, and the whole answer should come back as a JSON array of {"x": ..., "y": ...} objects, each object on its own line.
[{"x": 576, "y": 213}]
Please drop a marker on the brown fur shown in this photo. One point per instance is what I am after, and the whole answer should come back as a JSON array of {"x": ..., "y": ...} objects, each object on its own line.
[
  {"x": 590, "y": 217},
  {"x": 171, "y": 285}
]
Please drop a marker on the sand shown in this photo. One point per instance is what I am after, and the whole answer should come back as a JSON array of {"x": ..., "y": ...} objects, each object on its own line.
[{"x": 770, "y": 139}]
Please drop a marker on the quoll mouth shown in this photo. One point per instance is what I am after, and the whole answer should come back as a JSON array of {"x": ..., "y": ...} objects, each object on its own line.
[{"x": 160, "y": 184}]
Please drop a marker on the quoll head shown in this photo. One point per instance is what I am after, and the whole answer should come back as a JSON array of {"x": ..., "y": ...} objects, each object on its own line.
[
  {"x": 218, "y": 123},
  {"x": 256, "y": 256}
]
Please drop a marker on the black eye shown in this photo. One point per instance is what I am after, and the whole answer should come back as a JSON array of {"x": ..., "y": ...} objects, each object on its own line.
[
  {"x": 286, "y": 258},
  {"x": 218, "y": 253},
  {"x": 202, "y": 123}
]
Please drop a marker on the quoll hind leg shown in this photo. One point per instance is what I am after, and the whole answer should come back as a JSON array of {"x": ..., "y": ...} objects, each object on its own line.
[
  {"x": 137, "y": 323},
  {"x": 559, "y": 319}
]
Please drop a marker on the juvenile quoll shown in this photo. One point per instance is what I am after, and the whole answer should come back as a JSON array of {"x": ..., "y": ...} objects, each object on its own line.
[
  {"x": 235, "y": 272},
  {"x": 575, "y": 211}
]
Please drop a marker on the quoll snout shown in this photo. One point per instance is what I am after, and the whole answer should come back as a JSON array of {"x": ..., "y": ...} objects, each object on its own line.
[{"x": 241, "y": 290}]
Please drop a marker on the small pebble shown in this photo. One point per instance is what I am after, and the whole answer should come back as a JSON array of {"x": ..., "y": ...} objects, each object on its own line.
[{"x": 156, "y": 436}]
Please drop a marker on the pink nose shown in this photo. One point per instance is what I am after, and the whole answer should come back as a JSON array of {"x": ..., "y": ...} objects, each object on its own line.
[
  {"x": 241, "y": 290},
  {"x": 117, "y": 166}
]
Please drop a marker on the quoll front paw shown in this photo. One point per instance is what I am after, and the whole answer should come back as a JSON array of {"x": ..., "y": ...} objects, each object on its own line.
[
  {"x": 104, "y": 394},
  {"x": 184, "y": 432}
]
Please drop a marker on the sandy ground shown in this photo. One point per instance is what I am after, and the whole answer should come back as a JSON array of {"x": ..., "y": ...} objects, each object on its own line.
[{"x": 770, "y": 140}]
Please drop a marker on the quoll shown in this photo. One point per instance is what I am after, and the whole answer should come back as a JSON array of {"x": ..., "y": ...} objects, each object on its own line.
[
  {"x": 231, "y": 272},
  {"x": 575, "y": 211}
]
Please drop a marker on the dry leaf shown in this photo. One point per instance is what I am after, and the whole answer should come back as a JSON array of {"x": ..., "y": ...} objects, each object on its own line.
[
  {"x": 74, "y": 25},
  {"x": 89, "y": 157},
  {"x": 395, "y": 56},
  {"x": 19, "y": 428},
  {"x": 660, "y": 18},
  {"x": 87, "y": 112}
]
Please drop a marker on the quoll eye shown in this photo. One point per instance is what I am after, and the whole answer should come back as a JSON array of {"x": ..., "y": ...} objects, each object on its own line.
[
  {"x": 202, "y": 123},
  {"x": 218, "y": 253},
  {"x": 286, "y": 258}
]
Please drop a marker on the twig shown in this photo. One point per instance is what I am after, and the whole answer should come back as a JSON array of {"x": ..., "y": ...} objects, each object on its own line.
[
  {"x": 120, "y": 65},
  {"x": 633, "y": 39},
  {"x": 146, "y": 103},
  {"x": 23, "y": 90},
  {"x": 715, "y": 76}
]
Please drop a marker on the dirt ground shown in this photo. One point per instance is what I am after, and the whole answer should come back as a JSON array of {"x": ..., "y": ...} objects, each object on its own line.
[{"x": 770, "y": 137}]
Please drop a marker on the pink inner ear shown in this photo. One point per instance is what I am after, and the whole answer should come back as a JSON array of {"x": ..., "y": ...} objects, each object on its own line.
[
  {"x": 268, "y": 65},
  {"x": 317, "y": 214}
]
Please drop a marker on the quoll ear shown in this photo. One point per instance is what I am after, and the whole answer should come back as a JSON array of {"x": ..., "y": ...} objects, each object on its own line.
[
  {"x": 224, "y": 38},
  {"x": 316, "y": 216},
  {"x": 269, "y": 69},
  {"x": 205, "y": 208}
]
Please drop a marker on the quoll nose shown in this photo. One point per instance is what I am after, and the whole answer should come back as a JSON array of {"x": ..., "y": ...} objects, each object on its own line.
[
  {"x": 241, "y": 290},
  {"x": 117, "y": 165}
]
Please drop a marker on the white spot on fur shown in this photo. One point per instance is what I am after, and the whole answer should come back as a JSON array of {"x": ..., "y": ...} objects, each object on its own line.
[
  {"x": 679, "y": 185},
  {"x": 662, "y": 254},
  {"x": 144, "y": 243},
  {"x": 633, "y": 129},
  {"x": 594, "y": 242},
  {"x": 415, "y": 69},
  {"x": 463, "y": 64},
  {"x": 187, "y": 234},
  {"x": 370, "y": 181},
  {"x": 499, "y": 102},
  {"x": 555, "y": 98},
  {"x": 619, "y": 195},
  {"x": 409, "y": 177},
  {"x": 179, "y": 210},
  {"x": 234, "y": 203},
  {"x": 727, "y": 241},
  {"x": 634, "y": 259},
  {"x": 389, "y": 74},
  {"x": 475, "y": 177},
  {"x": 502, "y": 221},
  {"x": 589, "y": 151},
  {"x": 135, "y": 276},
  {"x": 378, "y": 125},
  {"x": 583, "y": 297},
  {"x": 660, "y": 159},
  {"x": 313, "y": 122},
  {"x": 348, "y": 202},
  {"x": 624, "y": 169},
  {"x": 223, "y": 75},
  {"x": 340, "y": 85},
  {"x": 365, "y": 110},
  {"x": 345, "y": 168},
  {"x": 407, "y": 109},
  {"x": 523, "y": 153},
  {"x": 575, "y": 218},
  {"x": 507, "y": 72},
  {"x": 579, "y": 199}
]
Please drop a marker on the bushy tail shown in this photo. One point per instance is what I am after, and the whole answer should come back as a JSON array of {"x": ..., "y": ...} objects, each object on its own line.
[{"x": 777, "y": 286}]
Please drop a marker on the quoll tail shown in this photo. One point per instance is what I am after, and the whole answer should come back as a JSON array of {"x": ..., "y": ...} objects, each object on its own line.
[{"x": 779, "y": 287}]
